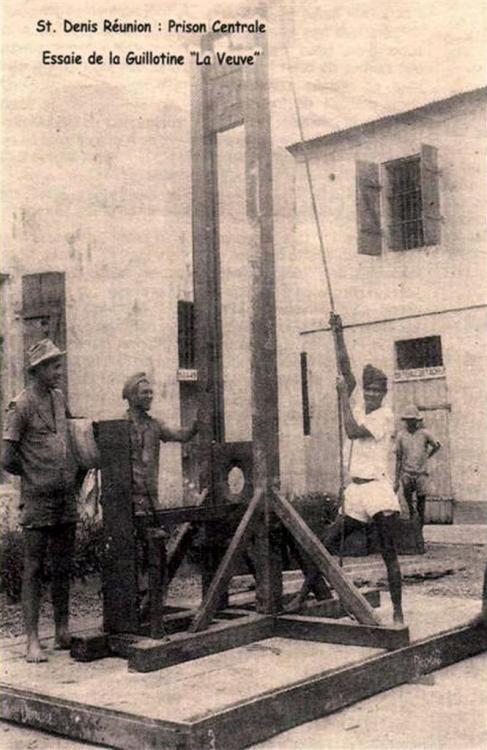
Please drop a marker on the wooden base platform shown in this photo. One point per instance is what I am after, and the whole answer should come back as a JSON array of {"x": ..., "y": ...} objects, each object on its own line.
[
  {"x": 233, "y": 699},
  {"x": 97, "y": 645}
]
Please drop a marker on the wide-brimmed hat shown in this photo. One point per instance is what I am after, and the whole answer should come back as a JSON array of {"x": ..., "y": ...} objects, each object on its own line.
[
  {"x": 412, "y": 412},
  {"x": 42, "y": 351},
  {"x": 83, "y": 443}
]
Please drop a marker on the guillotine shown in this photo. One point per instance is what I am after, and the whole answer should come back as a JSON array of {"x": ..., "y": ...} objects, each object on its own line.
[{"x": 223, "y": 98}]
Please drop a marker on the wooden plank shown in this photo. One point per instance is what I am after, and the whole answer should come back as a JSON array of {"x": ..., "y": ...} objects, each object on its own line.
[
  {"x": 149, "y": 655},
  {"x": 200, "y": 514},
  {"x": 264, "y": 383},
  {"x": 351, "y": 597},
  {"x": 119, "y": 644},
  {"x": 119, "y": 576},
  {"x": 255, "y": 720},
  {"x": 228, "y": 565},
  {"x": 90, "y": 723},
  {"x": 249, "y": 721},
  {"x": 181, "y": 542},
  {"x": 90, "y": 646},
  {"x": 327, "y": 630}
]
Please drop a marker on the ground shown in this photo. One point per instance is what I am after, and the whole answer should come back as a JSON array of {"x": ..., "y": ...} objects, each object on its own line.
[
  {"x": 455, "y": 697},
  {"x": 465, "y": 562}
]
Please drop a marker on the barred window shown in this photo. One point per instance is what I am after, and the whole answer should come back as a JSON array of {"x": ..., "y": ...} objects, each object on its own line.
[
  {"x": 419, "y": 353},
  {"x": 405, "y": 204}
]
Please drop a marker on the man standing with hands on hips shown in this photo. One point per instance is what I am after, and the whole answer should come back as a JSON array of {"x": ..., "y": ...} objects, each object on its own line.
[{"x": 36, "y": 447}]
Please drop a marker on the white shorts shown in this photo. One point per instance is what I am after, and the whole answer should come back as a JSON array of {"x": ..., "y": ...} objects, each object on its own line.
[{"x": 363, "y": 501}]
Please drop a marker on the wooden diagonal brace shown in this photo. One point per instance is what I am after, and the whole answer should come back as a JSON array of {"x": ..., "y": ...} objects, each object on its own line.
[
  {"x": 351, "y": 597},
  {"x": 182, "y": 541},
  {"x": 227, "y": 566}
]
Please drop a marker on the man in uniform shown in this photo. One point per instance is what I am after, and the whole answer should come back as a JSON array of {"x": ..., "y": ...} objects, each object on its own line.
[
  {"x": 36, "y": 447},
  {"x": 146, "y": 434},
  {"x": 369, "y": 497}
]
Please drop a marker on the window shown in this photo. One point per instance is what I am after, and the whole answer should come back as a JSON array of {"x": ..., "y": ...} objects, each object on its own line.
[
  {"x": 408, "y": 215},
  {"x": 405, "y": 204},
  {"x": 305, "y": 394},
  {"x": 415, "y": 354},
  {"x": 44, "y": 313},
  {"x": 186, "y": 351}
]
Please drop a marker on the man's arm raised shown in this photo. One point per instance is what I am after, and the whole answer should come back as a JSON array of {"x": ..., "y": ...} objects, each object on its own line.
[{"x": 343, "y": 360}]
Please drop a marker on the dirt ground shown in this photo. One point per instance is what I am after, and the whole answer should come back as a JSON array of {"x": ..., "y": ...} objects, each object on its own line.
[{"x": 464, "y": 566}]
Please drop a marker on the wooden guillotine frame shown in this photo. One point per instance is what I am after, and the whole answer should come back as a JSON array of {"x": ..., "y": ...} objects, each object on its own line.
[
  {"x": 174, "y": 636},
  {"x": 223, "y": 98}
]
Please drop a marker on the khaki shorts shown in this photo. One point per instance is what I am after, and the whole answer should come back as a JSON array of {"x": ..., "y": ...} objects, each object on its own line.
[
  {"x": 415, "y": 483},
  {"x": 38, "y": 509},
  {"x": 364, "y": 501}
]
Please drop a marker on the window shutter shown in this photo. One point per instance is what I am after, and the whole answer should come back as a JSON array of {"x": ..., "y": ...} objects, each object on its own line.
[
  {"x": 430, "y": 195},
  {"x": 186, "y": 334},
  {"x": 305, "y": 394},
  {"x": 368, "y": 208},
  {"x": 44, "y": 312}
]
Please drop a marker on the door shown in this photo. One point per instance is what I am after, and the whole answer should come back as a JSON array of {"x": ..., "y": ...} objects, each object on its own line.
[{"x": 429, "y": 392}]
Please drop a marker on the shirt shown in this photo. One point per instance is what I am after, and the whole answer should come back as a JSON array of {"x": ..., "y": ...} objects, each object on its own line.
[
  {"x": 145, "y": 436},
  {"x": 39, "y": 427},
  {"x": 412, "y": 447},
  {"x": 371, "y": 456}
]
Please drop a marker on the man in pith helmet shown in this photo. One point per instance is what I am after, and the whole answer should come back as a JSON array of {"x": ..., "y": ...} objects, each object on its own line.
[
  {"x": 414, "y": 446},
  {"x": 36, "y": 447}
]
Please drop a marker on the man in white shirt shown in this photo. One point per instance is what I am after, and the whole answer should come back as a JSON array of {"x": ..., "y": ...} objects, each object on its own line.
[{"x": 370, "y": 495}]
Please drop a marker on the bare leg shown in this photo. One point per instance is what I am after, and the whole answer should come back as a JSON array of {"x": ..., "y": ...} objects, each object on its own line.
[
  {"x": 408, "y": 492},
  {"x": 35, "y": 545},
  {"x": 142, "y": 523},
  {"x": 62, "y": 549},
  {"x": 421, "y": 504},
  {"x": 386, "y": 525}
]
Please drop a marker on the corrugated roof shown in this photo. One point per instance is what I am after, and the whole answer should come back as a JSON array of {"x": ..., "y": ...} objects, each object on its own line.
[{"x": 336, "y": 135}]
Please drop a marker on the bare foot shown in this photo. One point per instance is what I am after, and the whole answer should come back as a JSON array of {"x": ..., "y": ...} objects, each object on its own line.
[
  {"x": 62, "y": 641},
  {"x": 34, "y": 653}
]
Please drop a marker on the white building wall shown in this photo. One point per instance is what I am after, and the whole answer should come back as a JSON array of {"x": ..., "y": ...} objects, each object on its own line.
[
  {"x": 448, "y": 275},
  {"x": 465, "y": 361},
  {"x": 100, "y": 189},
  {"x": 395, "y": 285}
]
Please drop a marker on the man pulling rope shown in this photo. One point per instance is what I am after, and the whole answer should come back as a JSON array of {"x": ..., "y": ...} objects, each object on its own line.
[{"x": 369, "y": 497}]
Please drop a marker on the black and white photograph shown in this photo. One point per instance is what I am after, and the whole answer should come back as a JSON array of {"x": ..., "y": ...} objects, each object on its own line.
[{"x": 243, "y": 349}]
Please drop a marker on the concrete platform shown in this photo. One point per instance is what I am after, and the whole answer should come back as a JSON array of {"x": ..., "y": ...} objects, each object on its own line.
[{"x": 232, "y": 699}]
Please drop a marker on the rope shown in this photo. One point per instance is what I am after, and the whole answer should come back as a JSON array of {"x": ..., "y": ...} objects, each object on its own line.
[{"x": 327, "y": 277}]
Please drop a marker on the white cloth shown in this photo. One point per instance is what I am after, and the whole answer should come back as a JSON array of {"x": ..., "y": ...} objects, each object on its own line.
[
  {"x": 363, "y": 501},
  {"x": 371, "y": 457}
]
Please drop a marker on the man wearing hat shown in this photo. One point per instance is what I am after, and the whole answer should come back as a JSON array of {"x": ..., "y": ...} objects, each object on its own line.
[
  {"x": 414, "y": 447},
  {"x": 369, "y": 496},
  {"x": 36, "y": 447},
  {"x": 146, "y": 434}
]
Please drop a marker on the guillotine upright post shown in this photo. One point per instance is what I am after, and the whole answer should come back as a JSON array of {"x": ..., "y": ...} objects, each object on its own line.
[{"x": 223, "y": 99}]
